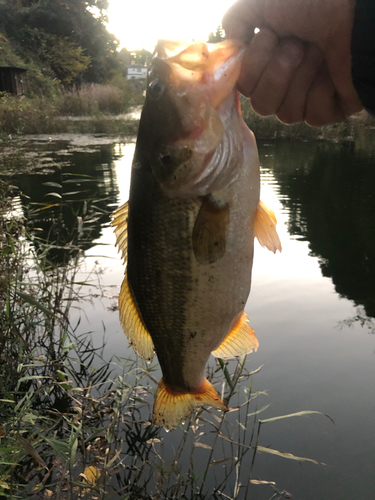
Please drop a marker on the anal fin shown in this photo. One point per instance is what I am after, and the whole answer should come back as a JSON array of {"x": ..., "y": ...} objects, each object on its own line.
[
  {"x": 171, "y": 407},
  {"x": 120, "y": 223},
  {"x": 133, "y": 324},
  {"x": 265, "y": 228},
  {"x": 240, "y": 340}
]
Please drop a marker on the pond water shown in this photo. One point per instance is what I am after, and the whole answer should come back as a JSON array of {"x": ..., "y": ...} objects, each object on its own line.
[{"x": 312, "y": 306}]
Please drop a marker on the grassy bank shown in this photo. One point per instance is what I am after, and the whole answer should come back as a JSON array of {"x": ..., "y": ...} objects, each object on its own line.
[
  {"x": 101, "y": 109},
  {"x": 45, "y": 115}
]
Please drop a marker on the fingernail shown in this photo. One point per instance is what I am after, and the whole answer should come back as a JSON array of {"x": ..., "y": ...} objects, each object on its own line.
[{"x": 290, "y": 52}]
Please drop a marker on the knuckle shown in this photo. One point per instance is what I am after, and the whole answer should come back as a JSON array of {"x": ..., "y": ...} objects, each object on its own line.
[
  {"x": 261, "y": 108},
  {"x": 289, "y": 116}
]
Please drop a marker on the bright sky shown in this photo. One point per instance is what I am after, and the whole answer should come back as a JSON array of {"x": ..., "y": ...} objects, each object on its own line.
[{"x": 140, "y": 23}]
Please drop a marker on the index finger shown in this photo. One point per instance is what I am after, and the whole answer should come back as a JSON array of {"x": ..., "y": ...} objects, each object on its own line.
[{"x": 241, "y": 19}]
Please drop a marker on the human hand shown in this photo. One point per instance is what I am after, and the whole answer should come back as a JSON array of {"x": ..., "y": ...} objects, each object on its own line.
[{"x": 298, "y": 66}]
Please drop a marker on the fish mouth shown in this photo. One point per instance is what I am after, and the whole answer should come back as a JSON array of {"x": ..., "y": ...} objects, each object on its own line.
[{"x": 213, "y": 68}]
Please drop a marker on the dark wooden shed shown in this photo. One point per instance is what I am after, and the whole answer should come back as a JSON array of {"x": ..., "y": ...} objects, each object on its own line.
[{"x": 13, "y": 80}]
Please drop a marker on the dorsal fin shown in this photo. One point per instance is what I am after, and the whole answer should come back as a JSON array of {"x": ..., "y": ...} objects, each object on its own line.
[
  {"x": 240, "y": 340},
  {"x": 133, "y": 324},
  {"x": 265, "y": 228},
  {"x": 120, "y": 223}
]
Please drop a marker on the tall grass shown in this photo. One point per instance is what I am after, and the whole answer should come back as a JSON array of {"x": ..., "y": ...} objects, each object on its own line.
[
  {"x": 33, "y": 115},
  {"x": 92, "y": 99},
  {"x": 22, "y": 115}
]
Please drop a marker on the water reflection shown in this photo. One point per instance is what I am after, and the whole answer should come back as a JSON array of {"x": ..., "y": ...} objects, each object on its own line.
[
  {"x": 67, "y": 208},
  {"x": 327, "y": 191}
]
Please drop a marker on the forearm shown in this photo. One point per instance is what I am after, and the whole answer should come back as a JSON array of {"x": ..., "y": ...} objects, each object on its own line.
[{"x": 363, "y": 52}]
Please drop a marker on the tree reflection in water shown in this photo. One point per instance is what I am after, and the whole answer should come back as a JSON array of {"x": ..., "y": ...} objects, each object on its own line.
[{"x": 328, "y": 191}]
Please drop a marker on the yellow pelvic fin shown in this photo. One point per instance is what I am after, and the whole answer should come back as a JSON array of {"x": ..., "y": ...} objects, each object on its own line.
[
  {"x": 171, "y": 407},
  {"x": 265, "y": 228},
  {"x": 240, "y": 340},
  {"x": 210, "y": 231},
  {"x": 132, "y": 323},
  {"x": 120, "y": 223}
]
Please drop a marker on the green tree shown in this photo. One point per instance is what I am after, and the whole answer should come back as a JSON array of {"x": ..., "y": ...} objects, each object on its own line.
[
  {"x": 216, "y": 37},
  {"x": 67, "y": 60},
  {"x": 141, "y": 56},
  {"x": 124, "y": 56},
  {"x": 82, "y": 21}
]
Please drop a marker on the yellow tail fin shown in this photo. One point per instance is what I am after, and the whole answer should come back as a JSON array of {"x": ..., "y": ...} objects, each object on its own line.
[{"x": 171, "y": 407}]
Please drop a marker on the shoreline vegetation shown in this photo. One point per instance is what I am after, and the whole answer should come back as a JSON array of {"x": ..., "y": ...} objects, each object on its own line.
[
  {"x": 93, "y": 108},
  {"x": 107, "y": 109}
]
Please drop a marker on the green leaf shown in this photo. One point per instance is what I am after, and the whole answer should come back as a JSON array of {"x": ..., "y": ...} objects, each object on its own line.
[
  {"x": 59, "y": 447},
  {"x": 52, "y": 184},
  {"x": 298, "y": 414},
  {"x": 32, "y": 377},
  {"x": 259, "y": 411},
  {"x": 56, "y": 195},
  {"x": 73, "y": 443},
  {"x": 32, "y": 301},
  {"x": 262, "y": 449},
  {"x": 77, "y": 175},
  {"x": 67, "y": 387},
  {"x": 77, "y": 181},
  {"x": 226, "y": 373},
  {"x": 61, "y": 375},
  {"x": 31, "y": 451}
]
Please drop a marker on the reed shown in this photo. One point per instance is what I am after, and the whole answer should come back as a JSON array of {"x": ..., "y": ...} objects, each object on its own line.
[{"x": 21, "y": 115}]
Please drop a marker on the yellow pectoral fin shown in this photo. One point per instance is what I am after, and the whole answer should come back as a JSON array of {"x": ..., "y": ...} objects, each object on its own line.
[
  {"x": 171, "y": 407},
  {"x": 240, "y": 340},
  {"x": 132, "y": 323},
  {"x": 265, "y": 228},
  {"x": 120, "y": 223}
]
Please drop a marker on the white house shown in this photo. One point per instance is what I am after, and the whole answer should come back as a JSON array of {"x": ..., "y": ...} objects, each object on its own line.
[{"x": 136, "y": 72}]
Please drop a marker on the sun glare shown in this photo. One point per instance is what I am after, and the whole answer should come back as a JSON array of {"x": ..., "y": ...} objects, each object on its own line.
[{"x": 141, "y": 23}]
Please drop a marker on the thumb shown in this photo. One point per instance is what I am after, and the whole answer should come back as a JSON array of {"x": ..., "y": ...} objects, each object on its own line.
[{"x": 241, "y": 19}]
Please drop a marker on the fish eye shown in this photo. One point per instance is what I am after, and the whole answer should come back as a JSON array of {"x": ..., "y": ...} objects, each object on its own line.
[{"x": 156, "y": 89}]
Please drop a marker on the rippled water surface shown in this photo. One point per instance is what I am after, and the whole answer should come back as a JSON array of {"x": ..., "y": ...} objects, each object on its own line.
[{"x": 312, "y": 307}]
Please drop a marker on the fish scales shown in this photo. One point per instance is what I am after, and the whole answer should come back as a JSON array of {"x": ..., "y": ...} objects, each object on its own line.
[
  {"x": 192, "y": 216},
  {"x": 159, "y": 266}
]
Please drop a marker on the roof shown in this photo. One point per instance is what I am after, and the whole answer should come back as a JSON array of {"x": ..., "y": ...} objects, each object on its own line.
[
  {"x": 137, "y": 66},
  {"x": 18, "y": 68}
]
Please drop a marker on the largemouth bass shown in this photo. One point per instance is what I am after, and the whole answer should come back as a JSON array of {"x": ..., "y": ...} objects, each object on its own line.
[{"x": 188, "y": 229}]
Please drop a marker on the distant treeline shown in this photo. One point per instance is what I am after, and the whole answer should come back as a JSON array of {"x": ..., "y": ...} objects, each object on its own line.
[{"x": 62, "y": 42}]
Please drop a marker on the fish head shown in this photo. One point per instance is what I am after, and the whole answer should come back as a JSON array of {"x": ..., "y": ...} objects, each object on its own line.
[{"x": 187, "y": 86}]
